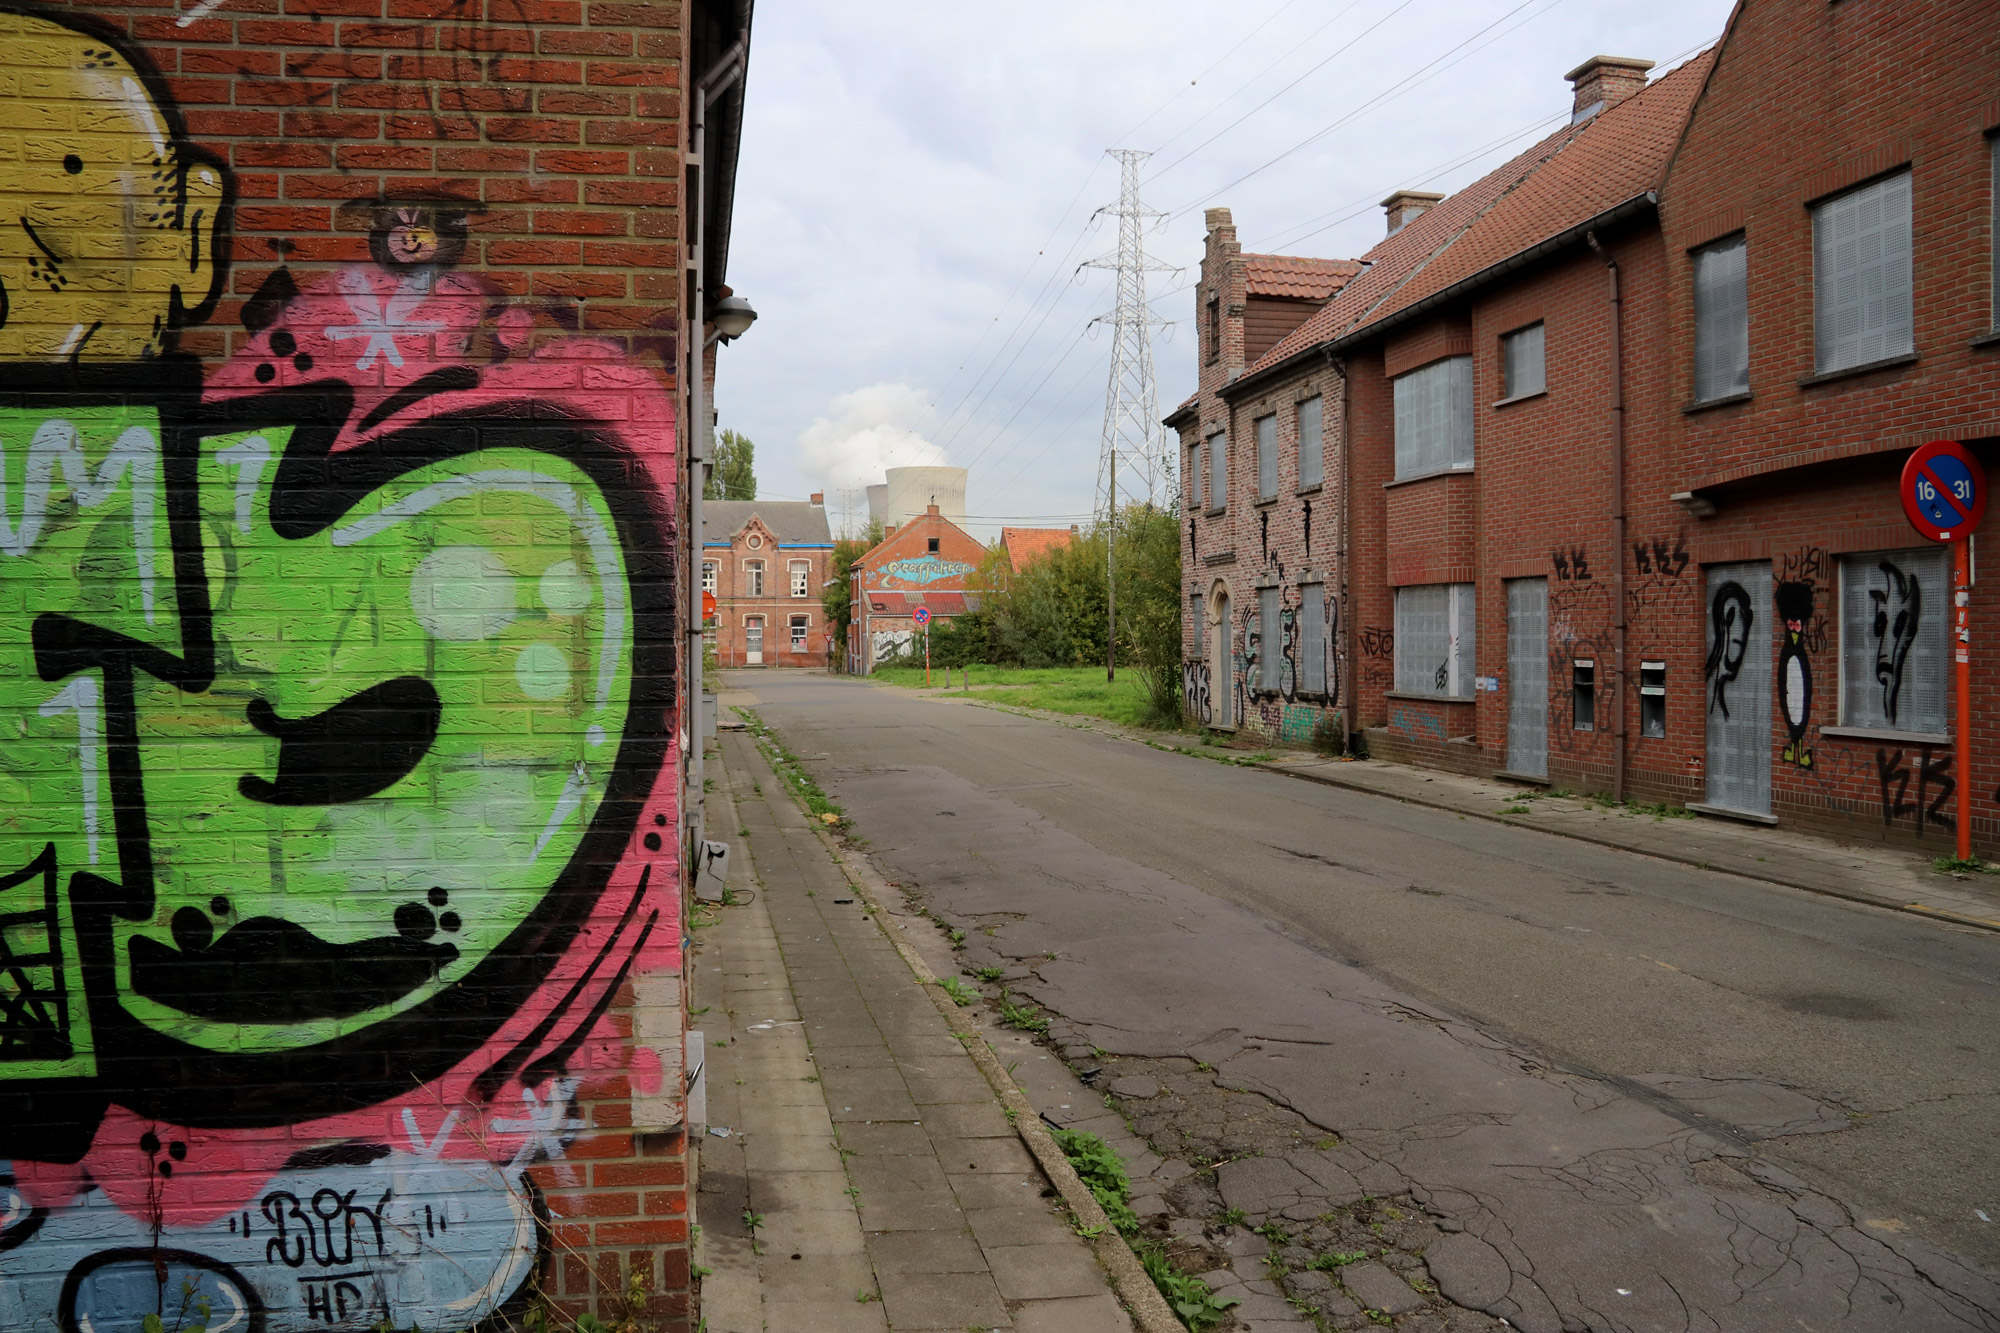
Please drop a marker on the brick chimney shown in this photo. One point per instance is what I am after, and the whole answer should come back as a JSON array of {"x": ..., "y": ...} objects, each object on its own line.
[
  {"x": 1404, "y": 205},
  {"x": 930, "y": 511},
  {"x": 817, "y": 498},
  {"x": 1602, "y": 82}
]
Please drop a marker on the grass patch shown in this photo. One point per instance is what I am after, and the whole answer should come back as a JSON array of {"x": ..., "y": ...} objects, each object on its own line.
[
  {"x": 1081, "y": 691},
  {"x": 1951, "y": 865},
  {"x": 1025, "y": 1017}
]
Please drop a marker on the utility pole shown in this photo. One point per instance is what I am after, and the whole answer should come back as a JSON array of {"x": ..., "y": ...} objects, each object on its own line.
[{"x": 1134, "y": 441}]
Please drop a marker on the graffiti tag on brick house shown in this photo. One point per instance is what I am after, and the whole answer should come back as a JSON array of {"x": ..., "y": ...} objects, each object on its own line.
[
  {"x": 1571, "y": 564},
  {"x": 1935, "y": 783},
  {"x": 1898, "y": 611},
  {"x": 1659, "y": 557},
  {"x": 1730, "y": 622},
  {"x": 1794, "y": 599},
  {"x": 339, "y": 691}
]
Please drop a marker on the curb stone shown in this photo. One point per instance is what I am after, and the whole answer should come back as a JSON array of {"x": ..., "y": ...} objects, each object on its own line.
[{"x": 1142, "y": 1299}]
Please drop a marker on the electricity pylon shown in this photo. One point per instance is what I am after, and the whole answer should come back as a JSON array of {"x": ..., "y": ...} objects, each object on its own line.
[{"x": 1135, "y": 462}]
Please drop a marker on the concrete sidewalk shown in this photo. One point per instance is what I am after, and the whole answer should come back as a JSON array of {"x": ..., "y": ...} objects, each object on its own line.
[{"x": 870, "y": 1179}]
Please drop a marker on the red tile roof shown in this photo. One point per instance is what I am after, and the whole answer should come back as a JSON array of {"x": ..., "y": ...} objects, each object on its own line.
[
  {"x": 1568, "y": 178},
  {"x": 903, "y": 603},
  {"x": 1296, "y": 277},
  {"x": 1024, "y": 546}
]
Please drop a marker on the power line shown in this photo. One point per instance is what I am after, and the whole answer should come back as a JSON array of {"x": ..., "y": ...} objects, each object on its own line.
[{"x": 1219, "y": 61}]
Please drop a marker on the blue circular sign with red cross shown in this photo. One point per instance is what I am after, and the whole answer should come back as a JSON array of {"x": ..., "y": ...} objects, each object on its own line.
[
  {"x": 922, "y": 615},
  {"x": 1944, "y": 491}
]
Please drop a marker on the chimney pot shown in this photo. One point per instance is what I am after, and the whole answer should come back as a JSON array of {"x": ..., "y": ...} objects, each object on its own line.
[
  {"x": 1602, "y": 82},
  {"x": 1404, "y": 205},
  {"x": 1215, "y": 219}
]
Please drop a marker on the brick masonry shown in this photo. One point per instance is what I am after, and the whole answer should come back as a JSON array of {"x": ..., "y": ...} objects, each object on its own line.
[
  {"x": 1803, "y": 100},
  {"x": 342, "y": 893}
]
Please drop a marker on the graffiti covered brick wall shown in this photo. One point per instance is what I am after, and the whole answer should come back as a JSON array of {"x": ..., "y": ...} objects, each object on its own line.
[{"x": 339, "y": 937}]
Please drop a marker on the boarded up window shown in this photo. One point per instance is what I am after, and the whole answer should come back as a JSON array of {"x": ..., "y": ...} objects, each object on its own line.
[
  {"x": 1895, "y": 640},
  {"x": 1270, "y": 638},
  {"x": 1312, "y": 442},
  {"x": 1218, "y": 471},
  {"x": 1861, "y": 274},
  {"x": 1312, "y": 638},
  {"x": 1522, "y": 363},
  {"x": 1267, "y": 457},
  {"x": 1434, "y": 418},
  {"x": 1435, "y": 640},
  {"x": 1721, "y": 320}
]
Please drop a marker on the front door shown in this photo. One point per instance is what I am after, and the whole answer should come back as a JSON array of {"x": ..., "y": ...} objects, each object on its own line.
[
  {"x": 753, "y": 641},
  {"x": 1737, "y": 678},
  {"x": 1222, "y": 683},
  {"x": 1528, "y": 677}
]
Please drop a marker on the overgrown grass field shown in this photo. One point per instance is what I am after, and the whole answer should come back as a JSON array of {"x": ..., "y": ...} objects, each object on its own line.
[{"x": 1078, "y": 690}]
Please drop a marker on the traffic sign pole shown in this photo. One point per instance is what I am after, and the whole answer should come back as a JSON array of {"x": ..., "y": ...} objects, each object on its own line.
[{"x": 1961, "y": 598}]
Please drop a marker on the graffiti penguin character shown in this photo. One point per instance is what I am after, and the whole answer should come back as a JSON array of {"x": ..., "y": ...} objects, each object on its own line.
[{"x": 1795, "y": 610}]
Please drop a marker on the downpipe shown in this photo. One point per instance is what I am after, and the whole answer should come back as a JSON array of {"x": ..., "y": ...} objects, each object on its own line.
[{"x": 1620, "y": 624}]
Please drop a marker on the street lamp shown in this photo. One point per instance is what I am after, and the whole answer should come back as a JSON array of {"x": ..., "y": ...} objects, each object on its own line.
[{"x": 732, "y": 317}]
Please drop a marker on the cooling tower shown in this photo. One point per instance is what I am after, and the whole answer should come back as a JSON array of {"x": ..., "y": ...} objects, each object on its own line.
[
  {"x": 912, "y": 488},
  {"x": 878, "y": 503}
]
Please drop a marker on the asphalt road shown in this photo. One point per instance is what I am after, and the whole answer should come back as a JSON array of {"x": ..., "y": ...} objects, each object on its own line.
[{"x": 1783, "y": 1108}]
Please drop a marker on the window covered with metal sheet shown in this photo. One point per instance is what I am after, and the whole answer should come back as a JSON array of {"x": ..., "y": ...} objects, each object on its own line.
[
  {"x": 1434, "y": 418},
  {"x": 1861, "y": 275},
  {"x": 1312, "y": 638},
  {"x": 1218, "y": 471},
  {"x": 1522, "y": 362},
  {"x": 1312, "y": 443},
  {"x": 1435, "y": 640},
  {"x": 1721, "y": 320},
  {"x": 1895, "y": 640},
  {"x": 1270, "y": 638},
  {"x": 1267, "y": 457}
]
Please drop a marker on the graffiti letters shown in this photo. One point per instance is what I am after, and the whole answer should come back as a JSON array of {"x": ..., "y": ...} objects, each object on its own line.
[
  {"x": 1194, "y": 691},
  {"x": 1730, "y": 621},
  {"x": 1935, "y": 783},
  {"x": 1417, "y": 725},
  {"x": 1657, "y": 557},
  {"x": 1571, "y": 564},
  {"x": 1377, "y": 641}
]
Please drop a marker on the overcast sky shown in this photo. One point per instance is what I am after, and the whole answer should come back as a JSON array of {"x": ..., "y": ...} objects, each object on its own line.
[{"x": 918, "y": 181}]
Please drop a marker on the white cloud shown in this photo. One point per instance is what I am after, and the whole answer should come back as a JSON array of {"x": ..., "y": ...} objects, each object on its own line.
[{"x": 865, "y": 431}]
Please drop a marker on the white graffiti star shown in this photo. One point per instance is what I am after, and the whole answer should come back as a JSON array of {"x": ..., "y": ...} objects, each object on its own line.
[{"x": 382, "y": 320}]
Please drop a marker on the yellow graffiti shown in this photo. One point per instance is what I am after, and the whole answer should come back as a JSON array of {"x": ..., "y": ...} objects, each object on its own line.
[{"x": 108, "y": 219}]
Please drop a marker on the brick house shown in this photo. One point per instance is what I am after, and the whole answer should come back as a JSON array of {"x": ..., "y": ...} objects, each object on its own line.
[
  {"x": 765, "y": 562},
  {"x": 392, "y": 304},
  {"x": 1024, "y": 546},
  {"x": 1614, "y": 544},
  {"x": 928, "y": 562}
]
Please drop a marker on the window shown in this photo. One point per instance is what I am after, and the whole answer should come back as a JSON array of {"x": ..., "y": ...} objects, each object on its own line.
[
  {"x": 708, "y": 576},
  {"x": 1218, "y": 472},
  {"x": 1861, "y": 275},
  {"x": 1312, "y": 443},
  {"x": 1721, "y": 320},
  {"x": 1583, "y": 694},
  {"x": 1267, "y": 457},
  {"x": 1312, "y": 638},
  {"x": 1194, "y": 477},
  {"x": 753, "y": 578},
  {"x": 801, "y": 626},
  {"x": 801, "y": 578},
  {"x": 1214, "y": 328},
  {"x": 1434, "y": 418},
  {"x": 1198, "y": 617},
  {"x": 1270, "y": 639},
  {"x": 1653, "y": 699},
  {"x": 1522, "y": 365},
  {"x": 1895, "y": 638},
  {"x": 1435, "y": 640},
  {"x": 932, "y": 546}
]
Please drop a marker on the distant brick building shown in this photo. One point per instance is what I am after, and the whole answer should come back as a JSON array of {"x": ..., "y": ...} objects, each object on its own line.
[
  {"x": 1024, "y": 546},
  {"x": 1648, "y": 545},
  {"x": 765, "y": 562},
  {"x": 929, "y": 562}
]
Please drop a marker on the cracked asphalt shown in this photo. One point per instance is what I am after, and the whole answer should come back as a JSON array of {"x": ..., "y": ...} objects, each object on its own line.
[{"x": 1634, "y": 1095}]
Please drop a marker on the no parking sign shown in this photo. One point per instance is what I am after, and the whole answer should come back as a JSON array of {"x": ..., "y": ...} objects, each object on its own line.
[
  {"x": 1943, "y": 491},
  {"x": 922, "y": 615}
]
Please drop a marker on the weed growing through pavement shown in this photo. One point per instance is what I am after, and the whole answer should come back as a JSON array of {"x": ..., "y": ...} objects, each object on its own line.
[
  {"x": 1024, "y": 1017},
  {"x": 1327, "y": 1263},
  {"x": 988, "y": 973},
  {"x": 961, "y": 994},
  {"x": 1951, "y": 865},
  {"x": 793, "y": 774}
]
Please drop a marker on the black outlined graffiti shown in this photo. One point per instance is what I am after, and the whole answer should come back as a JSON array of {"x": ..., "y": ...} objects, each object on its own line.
[
  {"x": 1264, "y": 533},
  {"x": 1308, "y": 504},
  {"x": 1572, "y": 565},
  {"x": 1194, "y": 690},
  {"x": 1376, "y": 641},
  {"x": 1795, "y": 681},
  {"x": 1656, "y": 557},
  {"x": 1730, "y": 621},
  {"x": 1898, "y": 610},
  {"x": 1933, "y": 774}
]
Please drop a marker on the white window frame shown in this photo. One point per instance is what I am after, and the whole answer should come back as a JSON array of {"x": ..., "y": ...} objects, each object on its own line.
[
  {"x": 710, "y": 572},
  {"x": 801, "y": 572},
  {"x": 1312, "y": 441},
  {"x": 1850, "y": 275},
  {"x": 1934, "y": 617},
  {"x": 1218, "y": 472},
  {"x": 1265, "y": 430},
  {"x": 1523, "y": 351},
  {"x": 1433, "y": 410},
  {"x": 753, "y": 578},
  {"x": 1720, "y": 273},
  {"x": 1460, "y": 611}
]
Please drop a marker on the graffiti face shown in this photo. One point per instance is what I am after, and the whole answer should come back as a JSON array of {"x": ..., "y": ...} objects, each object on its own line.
[
  {"x": 1898, "y": 607},
  {"x": 1795, "y": 683},
  {"x": 108, "y": 219},
  {"x": 334, "y": 815},
  {"x": 1730, "y": 619}
]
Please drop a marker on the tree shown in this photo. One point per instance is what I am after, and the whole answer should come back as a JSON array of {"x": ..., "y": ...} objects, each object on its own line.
[
  {"x": 837, "y": 596},
  {"x": 731, "y": 475},
  {"x": 1149, "y": 605}
]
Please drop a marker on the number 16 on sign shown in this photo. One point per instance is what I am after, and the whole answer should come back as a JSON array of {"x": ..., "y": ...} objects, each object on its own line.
[{"x": 1944, "y": 496}]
